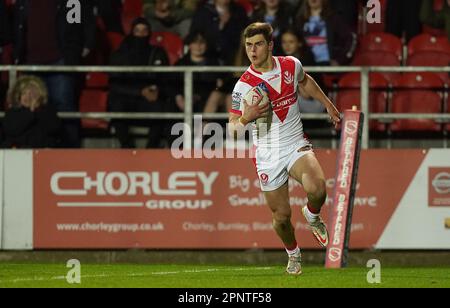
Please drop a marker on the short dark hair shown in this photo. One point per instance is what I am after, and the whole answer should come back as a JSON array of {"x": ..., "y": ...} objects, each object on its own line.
[{"x": 259, "y": 28}]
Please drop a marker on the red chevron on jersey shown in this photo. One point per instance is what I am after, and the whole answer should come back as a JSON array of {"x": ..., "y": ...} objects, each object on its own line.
[{"x": 281, "y": 86}]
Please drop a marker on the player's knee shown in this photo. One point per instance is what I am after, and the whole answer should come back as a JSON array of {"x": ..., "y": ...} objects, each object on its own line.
[{"x": 317, "y": 189}]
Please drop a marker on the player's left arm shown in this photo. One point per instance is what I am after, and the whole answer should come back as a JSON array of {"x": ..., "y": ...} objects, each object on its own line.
[{"x": 310, "y": 87}]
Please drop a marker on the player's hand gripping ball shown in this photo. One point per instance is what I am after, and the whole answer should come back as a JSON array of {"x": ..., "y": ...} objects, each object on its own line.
[{"x": 259, "y": 95}]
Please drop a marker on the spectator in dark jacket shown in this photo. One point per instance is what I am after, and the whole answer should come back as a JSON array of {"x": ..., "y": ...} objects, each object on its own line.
[
  {"x": 439, "y": 19},
  {"x": 30, "y": 122},
  {"x": 44, "y": 36},
  {"x": 402, "y": 18},
  {"x": 204, "y": 83},
  {"x": 330, "y": 39},
  {"x": 110, "y": 13},
  {"x": 138, "y": 92},
  {"x": 223, "y": 22},
  {"x": 279, "y": 14},
  {"x": 3, "y": 25}
]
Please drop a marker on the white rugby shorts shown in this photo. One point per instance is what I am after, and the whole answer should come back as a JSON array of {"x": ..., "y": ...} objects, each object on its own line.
[{"x": 273, "y": 165}]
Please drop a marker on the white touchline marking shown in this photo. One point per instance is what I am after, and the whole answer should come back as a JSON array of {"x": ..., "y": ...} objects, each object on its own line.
[{"x": 138, "y": 274}]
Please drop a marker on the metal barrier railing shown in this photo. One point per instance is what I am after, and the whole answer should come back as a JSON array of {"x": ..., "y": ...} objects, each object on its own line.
[{"x": 188, "y": 115}]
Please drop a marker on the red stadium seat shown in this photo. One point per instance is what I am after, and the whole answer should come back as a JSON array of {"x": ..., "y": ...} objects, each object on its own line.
[
  {"x": 379, "y": 49},
  {"x": 127, "y": 20},
  {"x": 171, "y": 42},
  {"x": 349, "y": 95},
  {"x": 381, "y": 42},
  {"x": 417, "y": 93},
  {"x": 428, "y": 50},
  {"x": 133, "y": 7},
  {"x": 114, "y": 40},
  {"x": 97, "y": 81},
  {"x": 94, "y": 101}
]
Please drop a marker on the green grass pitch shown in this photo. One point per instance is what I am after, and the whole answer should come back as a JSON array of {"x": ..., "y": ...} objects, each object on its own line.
[{"x": 213, "y": 276}]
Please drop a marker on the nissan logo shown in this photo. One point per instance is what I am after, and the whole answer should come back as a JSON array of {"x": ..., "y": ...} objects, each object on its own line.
[
  {"x": 441, "y": 183},
  {"x": 351, "y": 127},
  {"x": 335, "y": 254}
]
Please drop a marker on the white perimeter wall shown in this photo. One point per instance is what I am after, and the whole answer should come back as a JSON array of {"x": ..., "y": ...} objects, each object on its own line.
[{"x": 16, "y": 223}]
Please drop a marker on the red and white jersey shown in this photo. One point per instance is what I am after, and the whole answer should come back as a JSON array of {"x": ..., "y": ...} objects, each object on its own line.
[{"x": 282, "y": 84}]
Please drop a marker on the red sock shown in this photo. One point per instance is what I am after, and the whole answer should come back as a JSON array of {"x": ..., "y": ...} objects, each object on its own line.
[
  {"x": 312, "y": 209},
  {"x": 293, "y": 247}
]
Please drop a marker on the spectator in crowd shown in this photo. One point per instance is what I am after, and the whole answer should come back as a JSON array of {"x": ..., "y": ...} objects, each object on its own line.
[
  {"x": 223, "y": 22},
  {"x": 164, "y": 16},
  {"x": 348, "y": 10},
  {"x": 279, "y": 14},
  {"x": 330, "y": 39},
  {"x": 138, "y": 92},
  {"x": 110, "y": 13},
  {"x": 4, "y": 25},
  {"x": 440, "y": 19},
  {"x": 44, "y": 36},
  {"x": 204, "y": 84},
  {"x": 294, "y": 45},
  {"x": 221, "y": 98},
  {"x": 402, "y": 18},
  {"x": 30, "y": 122}
]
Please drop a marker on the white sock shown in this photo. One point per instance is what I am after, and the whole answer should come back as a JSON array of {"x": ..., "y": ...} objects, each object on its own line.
[
  {"x": 310, "y": 216},
  {"x": 294, "y": 252}
]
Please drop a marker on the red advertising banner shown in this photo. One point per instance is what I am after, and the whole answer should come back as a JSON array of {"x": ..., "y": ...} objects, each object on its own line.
[
  {"x": 103, "y": 199},
  {"x": 339, "y": 225}
]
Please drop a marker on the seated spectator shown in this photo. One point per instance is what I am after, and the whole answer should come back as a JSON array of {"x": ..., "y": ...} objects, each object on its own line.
[
  {"x": 294, "y": 45},
  {"x": 110, "y": 13},
  {"x": 221, "y": 98},
  {"x": 164, "y": 16},
  {"x": 348, "y": 10},
  {"x": 44, "y": 36},
  {"x": 204, "y": 83},
  {"x": 138, "y": 92},
  {"x": 402, "y": 18},
  {"x": 440, "y": 19},
  {"x": 330, "y": 39},
  {"x": 30, "y": 122},
  {"x": 279, "y": 14},
  {"x": 223, "y": 22}
]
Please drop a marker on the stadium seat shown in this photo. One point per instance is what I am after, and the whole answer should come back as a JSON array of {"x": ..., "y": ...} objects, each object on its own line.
[
  {"x": 94, "y": 101},
  {"x": 114, "y": 40},
  {"x": 428, "y": 50},
  {"x": 132, "y": 7},
  {"x": 379, "y": 49},
  {"x": 171, "y": 42},
  {"x": 98, "y": 81},
  {"x": 417, "y": 93},
  {"x": 127, "y": 20},
  {"x": 381, "y": 42},
  {"x": 349, "y": 95}
]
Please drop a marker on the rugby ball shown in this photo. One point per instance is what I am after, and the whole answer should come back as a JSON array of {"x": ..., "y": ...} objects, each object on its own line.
[{"x": 260, "y": 95}]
